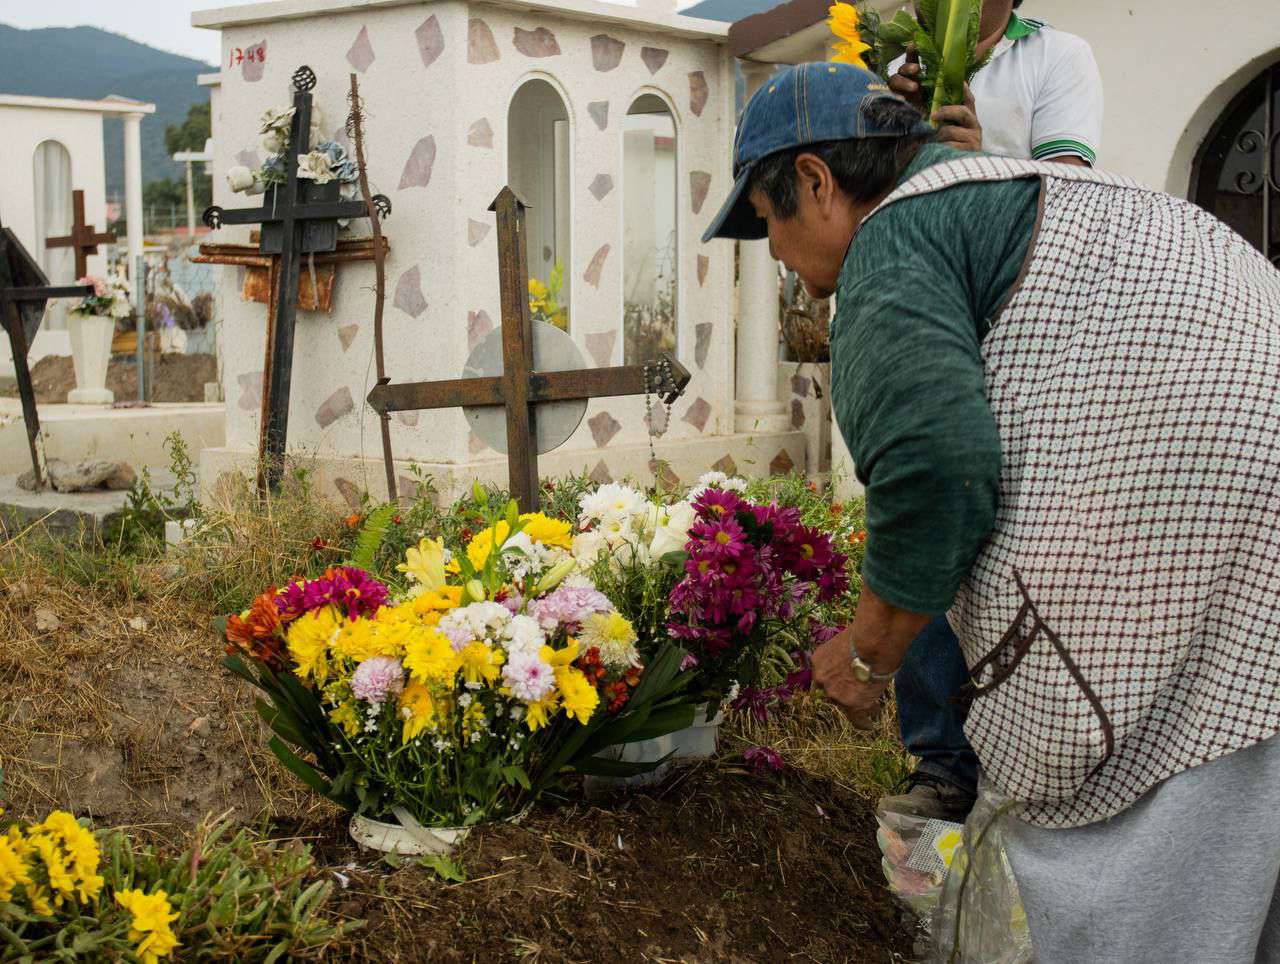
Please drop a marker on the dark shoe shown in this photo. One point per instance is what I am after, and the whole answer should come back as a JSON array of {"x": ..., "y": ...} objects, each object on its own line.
[{"x": 930, "y": 798}]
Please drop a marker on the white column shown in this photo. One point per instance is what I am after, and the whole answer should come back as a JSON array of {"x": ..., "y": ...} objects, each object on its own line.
[
  {"x": 191, "y": 207},
  {"x": 133, "y": 186},
  {"x": 758, "y": 408}
]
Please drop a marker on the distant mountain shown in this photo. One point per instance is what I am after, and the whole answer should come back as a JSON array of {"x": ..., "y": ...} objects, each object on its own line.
[{"x": 90, "y": 63}]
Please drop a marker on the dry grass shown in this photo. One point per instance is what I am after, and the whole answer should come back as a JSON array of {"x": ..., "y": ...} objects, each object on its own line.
[
  {"x": 242, "y": 545},
  {"x": 814, "y": 737}
]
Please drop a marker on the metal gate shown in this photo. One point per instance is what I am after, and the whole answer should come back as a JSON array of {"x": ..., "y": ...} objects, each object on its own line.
[{"x": 1237, "y": 171}]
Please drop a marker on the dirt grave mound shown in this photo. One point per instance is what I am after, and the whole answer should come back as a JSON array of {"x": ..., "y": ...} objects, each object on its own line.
[
  {"x": 119, "y": 710},
  {"x": 171, "y": 377}
]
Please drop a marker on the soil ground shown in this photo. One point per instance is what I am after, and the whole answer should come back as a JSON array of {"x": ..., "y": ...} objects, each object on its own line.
[
  {"x": 118, "y": 709},
  {"x": 172, "y": 377}
]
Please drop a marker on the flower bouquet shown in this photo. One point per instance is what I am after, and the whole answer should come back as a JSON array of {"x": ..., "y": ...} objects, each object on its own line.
[
  {"x": 754, "y": 578},
  {"x": 112, "y": 298},
  {"x": 459, "y": 695}
]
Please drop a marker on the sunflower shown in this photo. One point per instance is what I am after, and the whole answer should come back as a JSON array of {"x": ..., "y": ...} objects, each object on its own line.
[{"x": 845, "y": 24}]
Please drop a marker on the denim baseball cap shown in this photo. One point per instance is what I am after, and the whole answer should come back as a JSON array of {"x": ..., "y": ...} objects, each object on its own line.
[{"x": 805, "y": 104}]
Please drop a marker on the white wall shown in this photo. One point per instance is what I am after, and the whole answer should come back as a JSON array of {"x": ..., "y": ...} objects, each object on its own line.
[
  {"x": 81, "y": 133},
  {"x": 432, "y": 228},
  {"x": 1169, "y": 68}
]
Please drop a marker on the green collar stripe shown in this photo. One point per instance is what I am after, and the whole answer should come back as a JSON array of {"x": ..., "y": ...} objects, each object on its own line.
[
  {"x": 1019, "y": 27},
  {"x": 1061, "y": 146}
]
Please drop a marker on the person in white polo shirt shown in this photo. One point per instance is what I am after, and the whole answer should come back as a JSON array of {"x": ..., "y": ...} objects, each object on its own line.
[{"x": 1038, "y": 98}]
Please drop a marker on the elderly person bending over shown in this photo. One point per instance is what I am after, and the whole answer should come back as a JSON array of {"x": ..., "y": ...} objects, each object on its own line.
[{"x": 1062, "y": 393}]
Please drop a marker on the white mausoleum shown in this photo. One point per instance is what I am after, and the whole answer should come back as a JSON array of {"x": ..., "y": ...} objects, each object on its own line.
[
  {"x": 53, "y": 146},
  {"x": 616, "y": 123}
]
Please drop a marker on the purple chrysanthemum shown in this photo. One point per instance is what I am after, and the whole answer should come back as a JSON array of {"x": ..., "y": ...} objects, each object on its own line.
[
  {"x": 761, "y": 758},
  {"x": 353, "y": 591}
]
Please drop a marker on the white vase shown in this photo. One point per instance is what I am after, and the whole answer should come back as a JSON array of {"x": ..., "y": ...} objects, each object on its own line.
[
  {"x": 699, "y": 741},
  {"x": 90, "y": 354}
]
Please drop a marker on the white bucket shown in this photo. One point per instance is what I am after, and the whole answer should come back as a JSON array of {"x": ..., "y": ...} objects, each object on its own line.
[
  {"x": 645, "y": 751},
  {"x": 699, "y": 741},
  {"x": 413, "y": 840}
]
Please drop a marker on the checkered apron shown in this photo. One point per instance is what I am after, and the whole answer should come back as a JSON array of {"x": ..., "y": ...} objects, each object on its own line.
[{"x": 1122, "y": 624}]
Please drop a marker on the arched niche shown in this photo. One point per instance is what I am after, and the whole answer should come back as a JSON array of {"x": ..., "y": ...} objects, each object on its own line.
[
  {"x": 51, "y": 198},
  {"x": 1236, "y": 173},
  {"x": 539, "y": 153},
  {"x": 651, "y": 250}
]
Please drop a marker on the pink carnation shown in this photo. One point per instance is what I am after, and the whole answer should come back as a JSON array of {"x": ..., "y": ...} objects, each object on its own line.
[{"x": 377, "y": 678}]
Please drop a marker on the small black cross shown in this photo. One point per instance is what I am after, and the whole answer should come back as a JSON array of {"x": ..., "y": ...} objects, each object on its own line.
[
  {"x": 298, "y": 217},
  {"x": 520, "y": 389},
  {"x": 82, "y": 238},
  {"x": 24, "y": 289}
]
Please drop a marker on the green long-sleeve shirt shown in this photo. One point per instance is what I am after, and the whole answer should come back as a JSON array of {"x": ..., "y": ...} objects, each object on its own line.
[{"x": 920, "y": 286}]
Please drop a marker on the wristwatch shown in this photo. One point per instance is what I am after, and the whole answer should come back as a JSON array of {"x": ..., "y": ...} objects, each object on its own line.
[{"x": 861, "y": 671}]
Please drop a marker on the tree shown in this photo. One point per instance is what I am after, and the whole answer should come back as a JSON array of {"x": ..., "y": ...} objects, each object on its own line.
[{"x": 165, "y": 195}]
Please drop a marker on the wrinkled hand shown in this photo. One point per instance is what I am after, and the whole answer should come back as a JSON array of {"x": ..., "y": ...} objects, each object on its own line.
[
  {"x": 958, "y": 126},
  {"x": 833, "y": 671},
  {"x": 906, "y": 82}
]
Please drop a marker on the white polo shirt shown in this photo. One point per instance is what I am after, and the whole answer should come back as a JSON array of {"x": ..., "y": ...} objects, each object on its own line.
[{"x": 1040, "y": 95}]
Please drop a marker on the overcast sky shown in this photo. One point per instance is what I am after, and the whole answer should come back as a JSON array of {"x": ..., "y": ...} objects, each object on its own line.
[{"x": 161, "y": 23}]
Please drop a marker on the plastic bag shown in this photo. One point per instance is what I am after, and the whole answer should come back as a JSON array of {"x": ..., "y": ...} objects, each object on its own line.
[
  {"x": 979, "y": 918},
  {"x": 913, "y": 863}
]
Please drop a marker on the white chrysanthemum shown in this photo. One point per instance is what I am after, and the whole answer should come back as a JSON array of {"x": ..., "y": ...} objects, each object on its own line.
[
  {"x": 479, "y": 621},
  {"x": 523, "y": 634},
  {"x": 613, "y": 635},
  {"x": 716, "y": 480},
  {"x": 587, "y": 547},
  {"x": 610, "y": 503}
]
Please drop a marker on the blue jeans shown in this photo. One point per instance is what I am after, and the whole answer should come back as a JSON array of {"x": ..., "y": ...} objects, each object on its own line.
[{"x": 930, "y": 713}]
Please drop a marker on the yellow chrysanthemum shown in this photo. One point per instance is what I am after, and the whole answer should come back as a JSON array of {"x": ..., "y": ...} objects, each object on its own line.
[
  {"x": 433, "y": 603},
  {"x": 481, "y": 663},
  {"x": 152, "y": 915},
  {"x": 614, "y": 636},
  {"x": 418, "y": 710},
  {"x": 347, "y": 717},
  {"x": 579, "y": 697},
  {"x": 70, "y": 856},
  {"x": 482, "y": 545},
  {"x": 309, "y": 639},
  {"x": 425, "y": 563},
  {"x": 536, "y": 715},
  {"x": 844, "y": 23},
  {"x": 14, "y": 872},
  {"x": 429, "y": 656},
  {"x": 547, "y": 531}
]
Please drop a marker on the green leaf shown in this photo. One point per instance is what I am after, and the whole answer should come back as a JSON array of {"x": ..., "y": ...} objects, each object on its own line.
[
  {"x": 443, "y": 867},
  {"x": 515, "y": 774},
  {"x": 952, "y": 33},
  {"x": 372, "y": 535},
  {"x": 298, "y": 767},
  {"x": 219, "y": 624},
  {"x": 600, "y": 766}
]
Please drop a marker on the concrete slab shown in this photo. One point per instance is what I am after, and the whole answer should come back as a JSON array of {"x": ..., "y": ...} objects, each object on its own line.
[
  {"x": 65, "y": 514},
  {"x": 136, "y": 435}
]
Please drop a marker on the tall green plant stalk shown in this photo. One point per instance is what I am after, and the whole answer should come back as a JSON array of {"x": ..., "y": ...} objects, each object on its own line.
[{"x": 953, "y": 33}]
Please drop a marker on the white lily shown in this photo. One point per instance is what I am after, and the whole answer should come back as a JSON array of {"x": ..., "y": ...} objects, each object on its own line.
[{"x": 315, "y": 167}]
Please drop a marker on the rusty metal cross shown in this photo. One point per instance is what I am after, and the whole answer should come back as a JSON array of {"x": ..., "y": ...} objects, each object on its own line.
[
  {"x": 521, "y": 389},
  {"x": 83, "y": 239}
]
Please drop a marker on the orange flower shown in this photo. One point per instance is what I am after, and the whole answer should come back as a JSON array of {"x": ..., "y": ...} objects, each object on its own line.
[
  {"x": 256, "y": 631},
  {"x": 353, "y": 520},
  {"x": 859, "y": 537}
]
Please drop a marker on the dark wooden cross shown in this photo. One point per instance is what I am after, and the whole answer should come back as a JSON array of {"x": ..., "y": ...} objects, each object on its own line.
[
  {"x": 83, "y": 239},
  {"x": 24, "y": 289},
  {"x": 250, "y": 256},
  {"x": 520, "y": 388},
  {"x": 298, "y": 217}
]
